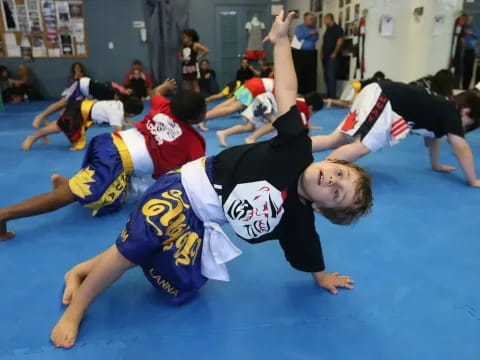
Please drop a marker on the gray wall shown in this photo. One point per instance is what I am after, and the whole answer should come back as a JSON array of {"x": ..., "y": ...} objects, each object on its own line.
[
  {"x": 106, "y": 20},
  {"x": 202, "y": 17}
]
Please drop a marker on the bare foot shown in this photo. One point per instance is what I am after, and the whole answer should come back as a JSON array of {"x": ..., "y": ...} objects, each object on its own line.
[
  {"x": 65, "y": 332},
  {"x": 222, "y": 138},
  {"x": 46, "y": 140},
  {"x": 202, "y": 126},
  {"x": 57, "y": 180},
  {"x": 250, "y": 140},
  {"x": 73, "y": 280},
  {"x": 37, "y": 120},
  {"x": 27, "y": 144},
  {"x": 4, "y": 234}
]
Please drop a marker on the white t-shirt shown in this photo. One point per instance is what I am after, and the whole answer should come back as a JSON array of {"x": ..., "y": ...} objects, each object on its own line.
[{"x": 108, "y": 112}]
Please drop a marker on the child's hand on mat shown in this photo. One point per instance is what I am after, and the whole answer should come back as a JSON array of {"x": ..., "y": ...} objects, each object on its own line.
[
  {"x": 475, "y": 183},
  {"x": 443, "y": 168},
  {"x": 334, "y": 280},
  {"x": 279, "y": 28}
]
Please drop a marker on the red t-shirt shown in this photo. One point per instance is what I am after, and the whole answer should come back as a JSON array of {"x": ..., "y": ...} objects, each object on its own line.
[
  {"x": 258, "y": 86},
  {"x": 170, "y": 142},
  {"x": 304, "y": 111},
  {"x": 144, "y": 75}
]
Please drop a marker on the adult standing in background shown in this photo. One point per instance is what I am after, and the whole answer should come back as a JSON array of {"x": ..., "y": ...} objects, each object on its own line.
[
  {"x": 332, "y": 43},
  {"x": 305, "y": 54},
  {"x": 471, "y": 34}
]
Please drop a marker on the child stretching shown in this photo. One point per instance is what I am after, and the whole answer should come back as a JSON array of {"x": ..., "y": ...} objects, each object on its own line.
[
  {"x": 386, "y": 112},
  {"x": 163, "y": 140},
  {"x": 261, "y": 113},
  {"x": 82, "y": 88},
  {"x": 189, "y": 55},
  {"x": 268, "y": 190},
  {"x": 227, "y": 91},
  {"x": 241, "y": 99},
  {"x": 80, "y": 115},
  {"x": 351, "y": 91}
]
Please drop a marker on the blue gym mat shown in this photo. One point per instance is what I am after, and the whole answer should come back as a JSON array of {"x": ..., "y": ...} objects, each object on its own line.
[{"x": 415, "y": 260}]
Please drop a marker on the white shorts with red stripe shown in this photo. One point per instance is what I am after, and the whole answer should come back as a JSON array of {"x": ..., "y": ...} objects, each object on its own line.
[{"x": 372, "y": 118}]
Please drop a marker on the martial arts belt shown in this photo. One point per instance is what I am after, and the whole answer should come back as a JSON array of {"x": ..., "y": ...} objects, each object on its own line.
[
  {"x": 85, "y": 109},
  {"x": 217, "y": 248},
  {"x": 457, "y": 30},
  {"x": 361, "y": 39}
]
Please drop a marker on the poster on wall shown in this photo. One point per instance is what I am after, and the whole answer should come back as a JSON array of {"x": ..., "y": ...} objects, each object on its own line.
[
  {"x": 9, "y": 13},
  {"x": 81, "y": 49},
  {"x": 387, "y": 24},
  {"x": 438, "y": 22},
  {"x": 63, "y": 14},
  {"x": 356, "y": 12},
  {"x": 67, "y": 44},
  {"x": 22, "y": 19},
  {"x": 76, "y": 10},
  {"x": 78, "y": 30},
  {"x": 48, "y": 9},
  {"x": 11, "y": 45},
  {"x": 54, "y": 52},
  {"x": 34, "y": 18}
]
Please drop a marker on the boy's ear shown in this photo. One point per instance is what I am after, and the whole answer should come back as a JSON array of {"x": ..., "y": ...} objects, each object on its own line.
[
  {"x": 465, "y": 112},
  {"x": 317, "y": 209}
]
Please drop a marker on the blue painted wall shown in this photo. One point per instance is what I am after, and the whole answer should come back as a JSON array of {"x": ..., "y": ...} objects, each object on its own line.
[
  {"x": 106, "y": 20},
  {"x": 111, "y": 20}
]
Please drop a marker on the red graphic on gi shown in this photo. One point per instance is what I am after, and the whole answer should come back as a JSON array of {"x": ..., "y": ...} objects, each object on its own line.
[
  {"x": 350, "y": 121},
  {"x": 259, "y": 215}
]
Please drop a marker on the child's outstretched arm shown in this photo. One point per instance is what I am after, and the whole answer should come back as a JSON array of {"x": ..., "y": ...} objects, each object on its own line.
[
  {"x": 103, "y": 274},
  {"x": 465, "y": 158},
  {"x": 284, "y": 71},
  {"x": 165, "y": 87}
]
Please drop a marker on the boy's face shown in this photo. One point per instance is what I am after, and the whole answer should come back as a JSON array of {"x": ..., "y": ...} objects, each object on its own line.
[
  {"x": 136, "y": 74},
  {"x": 466, "y": 119},
  {"x": 329, "y": 185}
]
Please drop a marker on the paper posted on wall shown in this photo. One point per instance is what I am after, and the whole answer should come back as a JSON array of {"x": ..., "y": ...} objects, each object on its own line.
[
  {"x": 387, "y": 25},
  {"x": 438, "y": 22}
]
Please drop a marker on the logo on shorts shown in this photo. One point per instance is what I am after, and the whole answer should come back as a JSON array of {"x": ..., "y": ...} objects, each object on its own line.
[
  {"x": 163, "y": 128},
  {"x": 254, "y": 209}
]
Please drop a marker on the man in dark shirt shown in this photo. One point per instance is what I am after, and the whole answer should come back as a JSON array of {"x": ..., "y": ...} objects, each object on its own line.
[
  {"x": 384, "y": 113},
  {"x": 332, "y": 43},
  {"x": 246, "y": 71}
]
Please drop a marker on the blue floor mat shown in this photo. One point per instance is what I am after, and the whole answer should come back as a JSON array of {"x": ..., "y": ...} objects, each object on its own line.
[{"x": 415, "y": 260}]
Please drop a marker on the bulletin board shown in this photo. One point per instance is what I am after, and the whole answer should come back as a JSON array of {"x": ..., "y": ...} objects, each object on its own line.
[{"x": 43, "y": 29}]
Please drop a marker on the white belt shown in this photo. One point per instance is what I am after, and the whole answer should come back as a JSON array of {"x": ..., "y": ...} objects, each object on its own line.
[
  {"x": 217, "y": 248},
  {"x": 135, "y": 143}
]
